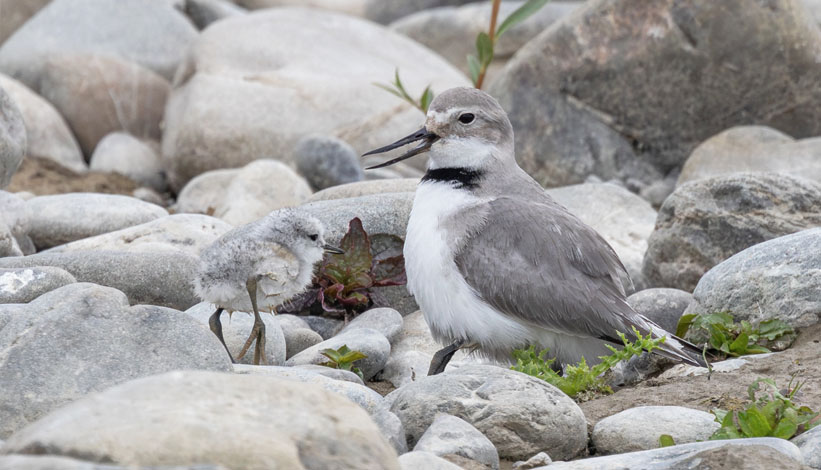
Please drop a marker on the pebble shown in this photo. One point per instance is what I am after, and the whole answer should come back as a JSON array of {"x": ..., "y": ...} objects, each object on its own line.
[
  {"x": 384, "y": 320},
  {"x": 368, "y": 341},
  {"x": 496, "y": 401},
  {"x": 662, "y": 305},
  {"x": 639, "y": 428},
  {"x": 21, "y": 286},
  {"x": 125, "y": 154},
  {"x": 809, "y": 443},
  {"x": 449, "y": 435},
  {"x": 327, "y": 161},
  {"x": 418, "y": 460}
]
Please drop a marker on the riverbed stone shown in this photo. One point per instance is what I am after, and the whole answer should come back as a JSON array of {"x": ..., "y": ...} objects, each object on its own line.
[
  {"x": 496, "y": 401},
  {"x": 303, "y": 425},
  {"x": 110, "y": 342}
]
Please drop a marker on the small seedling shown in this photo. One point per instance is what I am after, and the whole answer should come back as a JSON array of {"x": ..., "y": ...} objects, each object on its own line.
[
  {"x": 720, "y": 332},
  {"x": 346, "y": 283},
  {"x": 343, "y": 358},
  {"x": 486, "y": 41},
  {"x": 581, "y": 380},
  {"x": 398, "y": 89},
  {"x": 771, "y": 415}
]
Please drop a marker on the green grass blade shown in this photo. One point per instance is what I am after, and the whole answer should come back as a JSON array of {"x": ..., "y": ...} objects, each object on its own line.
[{"x": 522, "y": 13}]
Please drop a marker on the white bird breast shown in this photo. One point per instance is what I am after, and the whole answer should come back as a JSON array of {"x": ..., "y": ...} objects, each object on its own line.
[{"x": 450, "y": 306}]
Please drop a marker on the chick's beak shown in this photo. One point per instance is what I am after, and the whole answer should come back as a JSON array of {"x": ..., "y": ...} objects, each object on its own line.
[
  {"x": 427, "y": 138},
  {"x": 333, "y": 249}
]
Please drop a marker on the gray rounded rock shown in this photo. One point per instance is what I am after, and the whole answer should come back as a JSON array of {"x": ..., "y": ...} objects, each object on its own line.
[
  {"x": 47, "y": 132},
  {"x": 780, "y": 278},
  {"x": 418, "y": 460},
  {"x": 639, "y": 428},
  {"x": 154, "y": 35},
  {"x": 303, "y": 425},
  {"x": 521, "y": 415},
  {"x": 449, "y": 435},
  {"x": 236, "y": 328},
  {"x": 299, "y": 339},
  {"x": 757, "y": 453},
  {"x": 12, "y": 138},
  {"x": 809, "y": 443},
  {"x": 187, "y": 233},
  {"x": 326, "y": 327},
  {"x": 384, "y": 320},
  {"x": 368, "y": 341},
  {"x": 20, "y": 286},
  {"x": 365, "y": 188},
  {"x": 205, "y": 12},
  {"x": 54, "y": 220},
  {"x": 205, "y": 192},
  {"x": 357, "y": 392},
  {"x": 118, "y": 96},
  {"x": 706, "y": 221},
  {"x": 587, "y": 75},
  {"x": 127, "y": 155},
  {"x": 662, "y": 305},
  {"x": 161, "y": 278},
  {"x": 326, "y": 161},
  {"x": 110, "y": 342},
  {"x": 753, "y": 148}
]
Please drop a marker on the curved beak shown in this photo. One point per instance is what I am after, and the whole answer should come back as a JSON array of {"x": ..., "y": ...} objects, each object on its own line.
[
  {"x": 333, "y": 249},
  {"x": 427, "y": 138}
]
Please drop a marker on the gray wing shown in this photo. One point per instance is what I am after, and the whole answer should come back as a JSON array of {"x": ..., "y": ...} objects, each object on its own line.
[{"x": 536, "y": 261}]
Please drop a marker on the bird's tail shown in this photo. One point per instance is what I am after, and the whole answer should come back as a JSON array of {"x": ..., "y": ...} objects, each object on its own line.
[{"x": 674, "y": 347}]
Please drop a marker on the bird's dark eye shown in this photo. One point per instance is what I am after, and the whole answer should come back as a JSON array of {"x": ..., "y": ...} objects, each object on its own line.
[
  {"x": 466, "y": 118},
  {"x": 313, "y": 237}
]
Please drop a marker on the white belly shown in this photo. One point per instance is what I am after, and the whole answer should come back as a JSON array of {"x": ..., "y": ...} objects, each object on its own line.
[{"x": 451, "y": 307}]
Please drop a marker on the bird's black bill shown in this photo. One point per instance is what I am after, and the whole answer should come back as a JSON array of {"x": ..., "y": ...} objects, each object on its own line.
[
  {"x": 333, "y": 249},
  {"x": 427, "y": 138}
]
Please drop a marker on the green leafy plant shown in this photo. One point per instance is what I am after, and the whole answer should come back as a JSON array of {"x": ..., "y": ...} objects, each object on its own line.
[
  {"x": 666, "y": 440},
  {"x": 343, "y": 358},
  {"x": 486, "y": 41},
  {"x": 398, "y": 89},
  {"x": 348, "y": 282},
  {"x": 720, "y": 332},
  {"x": 771, "y": 415},
  {"x": 581, "y": 378}
]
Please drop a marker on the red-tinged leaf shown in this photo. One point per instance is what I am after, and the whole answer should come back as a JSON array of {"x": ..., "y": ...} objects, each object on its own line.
[
  {"x": 353, "y": 300},
  {"x": 390, "y": 272},
  {"x": 324, "y": 300},
  {"x": 357, "y": 246}
]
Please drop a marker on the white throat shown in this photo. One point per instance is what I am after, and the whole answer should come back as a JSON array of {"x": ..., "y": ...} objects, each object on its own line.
[{"x": 460, "y": 152}]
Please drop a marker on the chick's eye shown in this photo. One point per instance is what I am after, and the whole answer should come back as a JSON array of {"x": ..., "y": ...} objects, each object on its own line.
[
  {"x": 466, "y": 118},
  {"x": 313, "y": 237}
]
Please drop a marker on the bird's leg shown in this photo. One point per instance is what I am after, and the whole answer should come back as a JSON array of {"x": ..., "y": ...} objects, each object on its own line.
[
  {"x": 216, "y": 328},
  {"x": 258, "y": 331},
  {"x": 443, "y": 356}
]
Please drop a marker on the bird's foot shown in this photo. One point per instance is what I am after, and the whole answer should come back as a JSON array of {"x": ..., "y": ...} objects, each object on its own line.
[
  {"x": 258, "y": 335},
  {"x": 443, "y": 356}
]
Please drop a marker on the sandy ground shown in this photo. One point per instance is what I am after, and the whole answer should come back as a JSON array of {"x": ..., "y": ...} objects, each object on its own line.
[
  {"x": 726, "y": 389},
  {"x": 41, "y": 176}
]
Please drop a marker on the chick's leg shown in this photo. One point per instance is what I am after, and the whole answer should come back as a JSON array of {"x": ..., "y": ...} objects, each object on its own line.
[
  {"x": 258, "y": 331},
  {"x": 216, "y": 328}
]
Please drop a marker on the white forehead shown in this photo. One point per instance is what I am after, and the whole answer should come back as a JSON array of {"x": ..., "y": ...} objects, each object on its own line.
[{"x": 439, "y": 117}]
